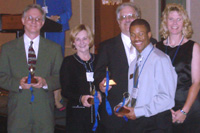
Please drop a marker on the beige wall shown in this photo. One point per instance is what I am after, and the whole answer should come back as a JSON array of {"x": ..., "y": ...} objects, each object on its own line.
[
  {"x": 194, "y": 12},
  {"x": 82, "y": 13},
  {"x": 13, "y": 6},
  {"x": 149, "y": 10}
]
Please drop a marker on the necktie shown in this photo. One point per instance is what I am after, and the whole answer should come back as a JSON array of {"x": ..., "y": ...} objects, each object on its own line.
[
  {"x": 31, "y": 56},
  {"x": 31, "y": 64},
  {"x": 136, "y": 74}
]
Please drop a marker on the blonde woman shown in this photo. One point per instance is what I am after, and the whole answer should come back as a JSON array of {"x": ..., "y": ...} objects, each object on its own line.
[
  {"x": 176, "y": 30},
  {"x": 76, "y": 77}
]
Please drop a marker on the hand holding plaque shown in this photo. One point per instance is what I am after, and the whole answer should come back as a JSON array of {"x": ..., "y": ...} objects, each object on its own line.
[
  {"x": 111, "y": 82},
  {"x": 119, "y": 109},
  {"x": 91, "y": 100},
  {"x": 31, "y": 76}
]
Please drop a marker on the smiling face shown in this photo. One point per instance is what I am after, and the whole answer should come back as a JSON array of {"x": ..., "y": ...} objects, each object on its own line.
[
  {"x": 175, "y": 23},
  {"x": 139, "y": 36},
  {"x": 127, "y": 15},
  {"x": 82, "y": 41},
  {"x": 33, "y": 22}
]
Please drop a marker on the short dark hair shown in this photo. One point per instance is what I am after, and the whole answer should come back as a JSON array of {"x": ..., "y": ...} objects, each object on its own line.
[{"x": 141, "y": 22}]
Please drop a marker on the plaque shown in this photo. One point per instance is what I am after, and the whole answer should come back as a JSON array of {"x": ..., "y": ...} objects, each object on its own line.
[
  {"x": 111, "y": 82},
  {"x": 119, "y": 109},
  {"x": 91, "y": 100}
]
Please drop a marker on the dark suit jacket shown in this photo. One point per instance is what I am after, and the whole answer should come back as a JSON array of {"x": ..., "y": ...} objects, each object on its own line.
[
  {"x": 13, "y": 66},
  {"x": 112, "y": 55}
]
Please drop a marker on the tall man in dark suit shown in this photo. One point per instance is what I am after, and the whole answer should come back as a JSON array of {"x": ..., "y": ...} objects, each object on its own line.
[
  {"x": 30, "y": 111},
  {"x": 116, "y": 54}
]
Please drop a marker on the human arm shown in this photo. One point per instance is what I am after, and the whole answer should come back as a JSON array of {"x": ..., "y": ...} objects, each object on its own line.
[
  {"x": 55, "y": 18},
  {"x": 41, "y": 82},
  {"x": 64, "y": 16},
  {"x": 161, "y": 88},
  {"x": 51, "y": 77},
  {"x": 102, "y": 87},
  {"x": 84, "y": 100},
  {"x": 67, "y": 79},
  {"x": 10, "y": 68},
  {"x": 61, "y": 10},
  {"x": 100, "y": 68},
  {"x": 194, "y": 88},
  {"x": 23, "y": 84},
  {"x": 130, "y": 115},
  {"x": 99, "y": 97},
  {"x": 73, "y": 81}
]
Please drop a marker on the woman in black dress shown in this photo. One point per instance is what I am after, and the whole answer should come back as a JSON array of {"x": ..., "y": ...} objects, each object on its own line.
[
  {"x": 76, "y": 77},
  {"x": 185, "y": 55}
]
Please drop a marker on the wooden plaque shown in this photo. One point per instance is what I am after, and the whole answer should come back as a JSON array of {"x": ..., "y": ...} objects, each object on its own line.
[{"x": 11, "y": 22}]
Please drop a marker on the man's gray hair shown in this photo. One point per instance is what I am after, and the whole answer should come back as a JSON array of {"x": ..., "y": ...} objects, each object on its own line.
[
  {"x": 36, "y": 6},
  {"x": 130, "y": 4}
]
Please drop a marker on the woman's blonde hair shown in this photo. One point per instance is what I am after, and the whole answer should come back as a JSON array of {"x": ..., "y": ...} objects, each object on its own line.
[
  {"x": 187, "y": 26},
  {"x": 78, "y": 29}
]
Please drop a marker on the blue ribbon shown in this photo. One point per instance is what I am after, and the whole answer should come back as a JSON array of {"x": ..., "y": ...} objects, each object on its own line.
[
  {"x": 108, "y": 107},
  {"x": 135, "y": 85},
  {"x": 121, "y": 105},
  {"x": 29, "y": 82},
  {"x": 125, "y": 118},
  {"x": 96, "y": 107}
]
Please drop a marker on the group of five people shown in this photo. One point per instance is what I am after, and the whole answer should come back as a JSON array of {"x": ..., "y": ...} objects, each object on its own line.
[{"x": 163, "y": 94}]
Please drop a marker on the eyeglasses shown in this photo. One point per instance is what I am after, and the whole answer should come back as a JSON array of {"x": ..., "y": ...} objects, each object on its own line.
[
  {"x": 31, "y": 19},
  {"x": 129, "y": 16}
]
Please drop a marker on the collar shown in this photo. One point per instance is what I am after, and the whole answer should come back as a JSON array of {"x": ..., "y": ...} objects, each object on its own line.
[
  {"x": 126, "y": 40},
  {"x": 146, "y": 51},
  {"x": 27, "y": 41},
  {"x": 91, "y": 60}
]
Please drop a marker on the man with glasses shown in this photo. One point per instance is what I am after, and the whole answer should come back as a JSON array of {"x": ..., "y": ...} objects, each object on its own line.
[
  {"x": 30, "y": 105},
  {"x": 116, "y": 54}
]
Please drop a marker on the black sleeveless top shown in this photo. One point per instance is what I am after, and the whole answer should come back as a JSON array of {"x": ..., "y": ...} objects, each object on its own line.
[{"x": 182, "y": 64}]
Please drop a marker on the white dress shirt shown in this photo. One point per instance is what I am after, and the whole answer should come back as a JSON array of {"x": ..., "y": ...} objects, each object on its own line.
[
  {"x": 127, "y": 45},
  {"x": 35, "y": 45},
  {"x": 156, "y": 84}
]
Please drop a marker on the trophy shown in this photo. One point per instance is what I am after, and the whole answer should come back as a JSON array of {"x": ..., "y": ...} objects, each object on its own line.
[
  {"x": 119, "y": 109},
  {"x": 91, "y": 100},
  {"x": 111, "y": 82},
  {"x": 31, "y": 75}
]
